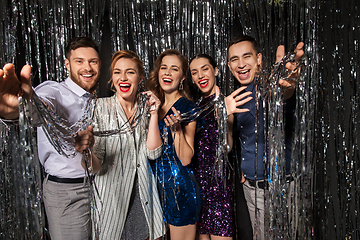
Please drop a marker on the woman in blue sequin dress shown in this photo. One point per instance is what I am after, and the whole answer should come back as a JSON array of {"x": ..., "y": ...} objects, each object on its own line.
[
  {"x": 214, "y": 175},
  {"x": 179, "y": 190}
]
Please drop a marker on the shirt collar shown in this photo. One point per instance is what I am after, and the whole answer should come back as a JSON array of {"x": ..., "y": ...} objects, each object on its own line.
[
  {"x": 74, "y": 87},
  {"x": 251, "y": 86}
]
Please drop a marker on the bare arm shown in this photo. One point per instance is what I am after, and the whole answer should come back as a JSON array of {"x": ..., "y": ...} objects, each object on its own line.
[
  {"x": 153, "y": 139},
  {"x": 230, "y": 131},
  {"x": 184, "y": 138}
]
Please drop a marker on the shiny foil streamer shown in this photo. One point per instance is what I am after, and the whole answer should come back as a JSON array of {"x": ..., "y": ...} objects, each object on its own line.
[
  {"x": 35, "y": 32},
  {"x": 21, "y": 212},
  {"x": 326, "y": 139},
  {"x": 60, "y": 132},
  {"x": 149, "y": 27}
]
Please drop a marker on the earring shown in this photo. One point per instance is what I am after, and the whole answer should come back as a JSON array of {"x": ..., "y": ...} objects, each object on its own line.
[{"x": 181, "y": 87}]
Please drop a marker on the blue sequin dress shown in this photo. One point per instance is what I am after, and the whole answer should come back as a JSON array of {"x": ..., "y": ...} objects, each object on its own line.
[{"x": 178, "y": 188}]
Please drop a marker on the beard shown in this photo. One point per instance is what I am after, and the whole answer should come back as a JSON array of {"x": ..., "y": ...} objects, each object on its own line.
[{"x": 89, "y": 86}]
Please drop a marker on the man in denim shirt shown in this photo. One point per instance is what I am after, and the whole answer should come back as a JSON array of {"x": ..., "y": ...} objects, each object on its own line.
[{"x": 244, "y": 61}]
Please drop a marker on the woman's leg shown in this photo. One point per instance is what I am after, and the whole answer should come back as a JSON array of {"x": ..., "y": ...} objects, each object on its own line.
[{"x": 183, "y": 233}]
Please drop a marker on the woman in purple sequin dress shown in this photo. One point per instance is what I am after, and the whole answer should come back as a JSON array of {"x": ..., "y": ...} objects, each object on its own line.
[{"x": 217, "y": 212}]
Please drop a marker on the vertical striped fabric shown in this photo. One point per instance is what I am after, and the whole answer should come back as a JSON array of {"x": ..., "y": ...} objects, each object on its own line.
[{"x": 123, "y": 156}]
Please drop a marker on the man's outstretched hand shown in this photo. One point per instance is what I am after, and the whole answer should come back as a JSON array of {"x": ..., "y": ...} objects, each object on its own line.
[
  {"x": 289, "y": 85},
  {"x": 11, "y": 88}
]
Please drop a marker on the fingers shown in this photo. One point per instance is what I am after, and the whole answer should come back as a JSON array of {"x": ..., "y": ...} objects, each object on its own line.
[
  {"x": 84, "y": 139},
  {"x": 241, "y": 110},
  {"x": 286, "y": 83},
  {"x": 237, "y": 91},
  {"x": 280, "y": 53},
  {"x": 173, "y": 120},
  {"x": 299, "y": 51},
  {"x": 26, "y": 81},
  {"x": 242, "y": 178},
  {"x": 243, "y": 95},
  {"x": 243, "y": 101},
  {"x": 153, "y": 102},
  {"x": 9, "y": 70}
]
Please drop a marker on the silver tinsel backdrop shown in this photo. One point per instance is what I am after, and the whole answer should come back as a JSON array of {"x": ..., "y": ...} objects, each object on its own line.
[{"x": 326, "y": 141}]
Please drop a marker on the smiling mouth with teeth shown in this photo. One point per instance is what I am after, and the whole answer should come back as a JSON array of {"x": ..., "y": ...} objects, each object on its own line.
[
  {"x": 167, "y": 80},
  {"x": 124, "y": 87},
  {"x": 87, "y": 75},
  {"x": 203, "y": 83}
]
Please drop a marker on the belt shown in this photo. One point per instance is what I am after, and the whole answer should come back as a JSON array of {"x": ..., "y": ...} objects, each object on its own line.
[
  {"x": 65, "y": 180},
  {"x": 258, "y": 184}
]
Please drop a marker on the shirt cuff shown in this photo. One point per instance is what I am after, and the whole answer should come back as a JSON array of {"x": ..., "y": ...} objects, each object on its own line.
[{"x": 154, "y": 154}]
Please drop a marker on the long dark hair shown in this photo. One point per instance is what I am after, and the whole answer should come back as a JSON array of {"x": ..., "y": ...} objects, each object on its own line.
[
  {"x": 194, "y": 91},
  {"x": 152, "y": 83}
]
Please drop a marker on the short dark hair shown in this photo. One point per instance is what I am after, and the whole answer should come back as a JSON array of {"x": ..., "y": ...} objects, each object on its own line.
[
  {"x": 78, "y": 42},
  {"x": 243, "y": 38},
  {"x": 203, "y": 55}
]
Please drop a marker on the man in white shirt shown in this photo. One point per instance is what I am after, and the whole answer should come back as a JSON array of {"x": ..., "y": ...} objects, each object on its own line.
[{"x": 65, "y": 189}]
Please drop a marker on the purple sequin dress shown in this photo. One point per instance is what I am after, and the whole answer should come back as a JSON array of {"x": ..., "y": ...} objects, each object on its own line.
[{"x": 216, "y": 217}]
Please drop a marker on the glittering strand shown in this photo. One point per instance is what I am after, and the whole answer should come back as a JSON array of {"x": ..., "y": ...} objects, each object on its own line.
[
  {"x": 287, "y": 22},
  {"x": 37, "y": 31},
  {"x": 142, "y": 108},
  {"x": 327, "y": 135},
  {"x": 60, "y": 132},
  {"x": 21, "y": 214},
  {"x": 149, "y": 27}
]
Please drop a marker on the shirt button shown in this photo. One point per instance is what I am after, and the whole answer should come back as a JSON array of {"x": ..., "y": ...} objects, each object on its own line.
[
  {"x": 138, "y": 165},
  {"x": 243, "y": 159},
  {"x": 146, "y": 203}
]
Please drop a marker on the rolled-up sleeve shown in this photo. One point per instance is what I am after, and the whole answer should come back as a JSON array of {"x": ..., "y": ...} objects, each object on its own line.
[{"x": 154, "y": 154}]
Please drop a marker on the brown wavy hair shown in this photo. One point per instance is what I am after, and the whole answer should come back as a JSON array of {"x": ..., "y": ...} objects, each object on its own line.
[
  {"x": 126, "y": 54},
  {"x": 152, "y": 83}
]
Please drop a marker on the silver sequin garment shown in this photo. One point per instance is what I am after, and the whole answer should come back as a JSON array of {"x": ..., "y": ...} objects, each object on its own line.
[{"x": 123, "y": 156}]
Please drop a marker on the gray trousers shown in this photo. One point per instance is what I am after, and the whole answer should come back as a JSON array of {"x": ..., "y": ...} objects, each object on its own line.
[
  {"x": 259, "y": 208},
  {"x": 67, "y": 207},
  {"x": 256, "y": 206}
]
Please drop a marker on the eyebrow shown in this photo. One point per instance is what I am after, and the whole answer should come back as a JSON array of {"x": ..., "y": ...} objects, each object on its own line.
[
  {"x": 205, "y": 65},
  {"x": 81, "y": 58},
  {"x": 170, "y": 66},
  {"x": 245, "y": 54},
  {"x": 127, "y": 69}
]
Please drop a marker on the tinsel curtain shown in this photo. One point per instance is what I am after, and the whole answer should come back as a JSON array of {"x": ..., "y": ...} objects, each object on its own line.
[{"x": 326, "y": 142}]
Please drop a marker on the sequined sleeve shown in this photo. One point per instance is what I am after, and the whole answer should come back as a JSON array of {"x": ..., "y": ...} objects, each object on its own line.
[
  {"x": 100, "y": 142},
  {"x": 154, "y": 154}
]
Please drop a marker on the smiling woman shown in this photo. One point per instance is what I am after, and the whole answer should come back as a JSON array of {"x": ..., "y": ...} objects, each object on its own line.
[
  {"x": 127, "y": 190},
  {"x": 179, "y": 190}
]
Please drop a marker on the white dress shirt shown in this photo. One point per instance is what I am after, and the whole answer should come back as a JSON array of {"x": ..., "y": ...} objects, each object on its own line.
[{"x": 68, "y": 101}]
